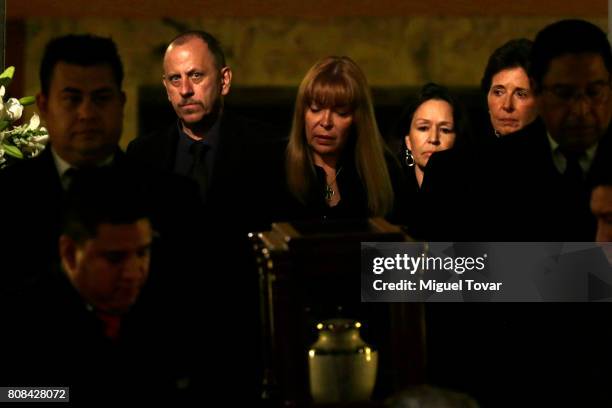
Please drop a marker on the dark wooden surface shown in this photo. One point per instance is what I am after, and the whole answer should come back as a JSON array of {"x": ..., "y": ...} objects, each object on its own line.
[{"x": 308, "y": 276}]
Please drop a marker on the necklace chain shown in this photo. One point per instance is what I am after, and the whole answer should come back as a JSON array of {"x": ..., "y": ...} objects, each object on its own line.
[{"x": 329, "y": 191}]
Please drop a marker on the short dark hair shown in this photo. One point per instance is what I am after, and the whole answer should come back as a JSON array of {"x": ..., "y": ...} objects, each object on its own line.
[
  {"x": 105, "y": 195},
  {"x": 213, "y": 44},
  {"x": 428, "y": 92},
  {"x": 83, "y": 50},
  {"x": 513, "y": 54},
  {"x": 566, "y": 37}
]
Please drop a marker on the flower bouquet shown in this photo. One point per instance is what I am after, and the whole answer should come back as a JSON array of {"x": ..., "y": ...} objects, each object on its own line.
[{"x": 18, "y": 142}]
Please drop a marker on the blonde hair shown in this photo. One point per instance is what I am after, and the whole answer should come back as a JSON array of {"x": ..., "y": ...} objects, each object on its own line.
[{"x": 339, "y": 82}]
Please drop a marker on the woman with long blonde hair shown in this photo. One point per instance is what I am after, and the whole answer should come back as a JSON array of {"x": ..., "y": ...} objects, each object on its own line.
[{"x": 336, "y": 161}]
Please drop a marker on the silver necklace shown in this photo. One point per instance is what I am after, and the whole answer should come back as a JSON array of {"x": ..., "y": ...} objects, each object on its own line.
[{"x": 329, "y": 191}]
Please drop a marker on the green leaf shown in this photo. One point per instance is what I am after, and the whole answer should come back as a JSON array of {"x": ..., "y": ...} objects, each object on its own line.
[
  {"x": 12, "y": 151},
  {"x": 27, "y": 100},
  {"x": 4, "y": 124},
  {"x": 7, "y": 76}
]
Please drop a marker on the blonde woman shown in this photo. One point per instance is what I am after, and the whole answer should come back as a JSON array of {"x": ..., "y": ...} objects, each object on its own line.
[{"x": 337, "y": 166}]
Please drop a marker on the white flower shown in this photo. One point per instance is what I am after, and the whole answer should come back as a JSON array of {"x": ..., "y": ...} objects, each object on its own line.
[
  {"x": 34, "y": 122},
  {"x": 41, "y": 139},
  {"x": 18, "y": 142},
  {"x": 13, "y": 109},
  {"x": 2, "y": 91}
]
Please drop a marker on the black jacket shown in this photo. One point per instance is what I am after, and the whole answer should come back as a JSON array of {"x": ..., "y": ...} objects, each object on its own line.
[
  {"x": 56, "y": 339},
  {"x": 247, "y": 177}
]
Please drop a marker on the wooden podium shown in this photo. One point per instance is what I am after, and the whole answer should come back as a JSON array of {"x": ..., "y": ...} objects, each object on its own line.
[{"x": 309, "y": 272}]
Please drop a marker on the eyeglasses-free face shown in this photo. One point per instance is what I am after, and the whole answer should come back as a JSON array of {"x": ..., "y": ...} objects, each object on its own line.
[{"x": 511, "y": 101}]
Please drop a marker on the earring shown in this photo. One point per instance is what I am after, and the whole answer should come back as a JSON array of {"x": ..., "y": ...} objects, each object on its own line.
[{"x": 409, "y": 160}]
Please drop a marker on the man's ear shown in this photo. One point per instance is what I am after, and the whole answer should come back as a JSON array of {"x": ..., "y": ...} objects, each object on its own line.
[
  {"x": 42, "y": 103},
  {"x": 226, "y": 80},
  {"x": 68, "y": 250}
]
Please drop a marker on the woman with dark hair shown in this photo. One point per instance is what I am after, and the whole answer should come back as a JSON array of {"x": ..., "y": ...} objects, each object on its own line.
[
  {"x": 434, "y": 123},
  {"x": 505, "y": 82},
  {"x": 336, "y": 161}
]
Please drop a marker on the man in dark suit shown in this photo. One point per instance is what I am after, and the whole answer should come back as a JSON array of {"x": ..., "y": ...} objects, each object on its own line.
[
  {"x": 81, "y": 102},
  {"x": 543, "y": 170},
  {"x": 234, "y": 160},
  {"x": 238, "y": 165},
  {"x": 96, "y": 326},
  {"x": 532, "y": 186}
]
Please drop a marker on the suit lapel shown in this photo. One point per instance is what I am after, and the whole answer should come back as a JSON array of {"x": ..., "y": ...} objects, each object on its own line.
[
  {"x": 43, "y": 169},
  {"x": 167, "y": 152},
  {"x": 227, "y": 157}
]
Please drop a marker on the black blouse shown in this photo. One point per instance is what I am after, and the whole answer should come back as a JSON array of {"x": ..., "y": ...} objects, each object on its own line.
[{"x": 353, "y": 202}]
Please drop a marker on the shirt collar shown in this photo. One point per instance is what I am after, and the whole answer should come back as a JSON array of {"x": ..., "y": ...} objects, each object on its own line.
[
  {"x": 212, "y": 136},
  {"x": 62, "y": 166},
  {"x": 585, "y": 159}
]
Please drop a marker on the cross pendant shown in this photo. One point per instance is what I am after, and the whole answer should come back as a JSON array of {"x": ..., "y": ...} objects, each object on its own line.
[{"x": 329, "y": 193}]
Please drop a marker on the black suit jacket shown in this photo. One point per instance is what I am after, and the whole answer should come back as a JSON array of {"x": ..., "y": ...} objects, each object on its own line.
[
  {"x": 32, "y": 195},
  {"x": 509, "y": 190},
  {"x": 246, "y": 193},
  {"x": 179, "y": 281},
  {"x": 535, "y": 200},
  {"x": 247, "y": 185},
  {"x": 33, "y": 205},
  {"x": 54, "y": 338}
]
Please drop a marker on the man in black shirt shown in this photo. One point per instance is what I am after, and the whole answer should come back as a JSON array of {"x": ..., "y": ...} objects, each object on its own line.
[{"x": 234, "y": 160}]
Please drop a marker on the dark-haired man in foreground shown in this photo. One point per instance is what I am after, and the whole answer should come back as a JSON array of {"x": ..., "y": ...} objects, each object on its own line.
[{"x": 85, "y": 325}]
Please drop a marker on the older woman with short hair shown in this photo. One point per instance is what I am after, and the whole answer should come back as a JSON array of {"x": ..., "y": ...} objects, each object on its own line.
[{"x": 505, "y": 82}]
